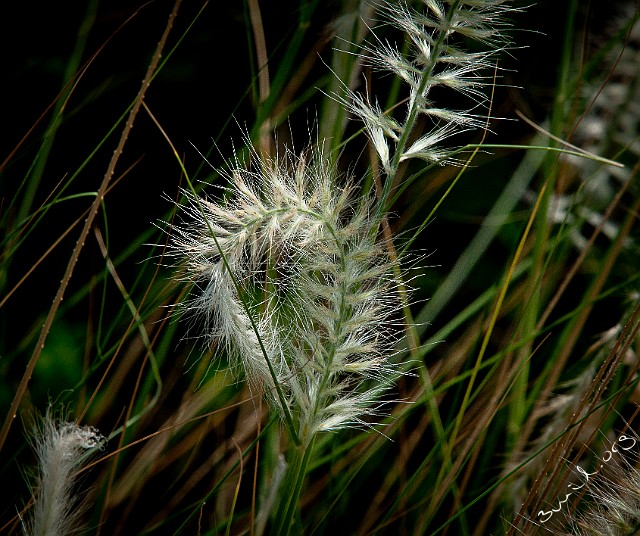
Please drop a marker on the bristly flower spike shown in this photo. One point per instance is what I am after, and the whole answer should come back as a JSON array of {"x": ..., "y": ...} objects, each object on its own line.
[
  {"x": 61, "y": 449},
  {"x": 290, "y": 252},
  {"x": 435, "y": 59}
]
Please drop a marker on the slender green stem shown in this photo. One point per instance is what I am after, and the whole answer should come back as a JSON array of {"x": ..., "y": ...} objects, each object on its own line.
[
  {"x": 290, "y": 491},
  {"x": 413, "y": 112},
  {"x": 281, "y": 397}
]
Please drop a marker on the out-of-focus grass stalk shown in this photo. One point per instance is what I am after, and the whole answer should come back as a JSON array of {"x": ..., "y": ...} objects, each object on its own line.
[{"x": 518, "y": 406}]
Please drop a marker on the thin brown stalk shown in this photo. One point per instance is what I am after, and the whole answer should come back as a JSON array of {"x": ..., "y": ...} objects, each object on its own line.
[
  {"x": 526, "y": 433},
  {"x": 563, "y": 447},
  {"x": 22, "y": 387},
  {"x": 56, "y": 242}
]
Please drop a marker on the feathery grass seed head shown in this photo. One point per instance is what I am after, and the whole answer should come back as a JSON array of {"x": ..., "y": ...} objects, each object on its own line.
[
  {"x": 61, "y": 448},
  {"x": 435, "y": 58},
  {"x": 289, "y": 275}
]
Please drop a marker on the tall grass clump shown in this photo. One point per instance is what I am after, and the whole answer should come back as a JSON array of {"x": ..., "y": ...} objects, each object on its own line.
[
  {"x": 288, "y": 270},
  {"x": 588, "y": 210},
  {"x": 424, "y": 322}
]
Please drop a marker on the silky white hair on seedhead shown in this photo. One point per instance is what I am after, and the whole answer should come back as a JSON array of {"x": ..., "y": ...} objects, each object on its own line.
[
  {"x": 289, "y": 275},
  {"x": 61, "y": 450}
]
